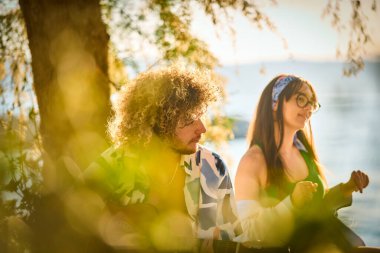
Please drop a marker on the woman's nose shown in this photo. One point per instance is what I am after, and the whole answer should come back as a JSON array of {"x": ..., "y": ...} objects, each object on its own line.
[{"x": 309, "y": 106}]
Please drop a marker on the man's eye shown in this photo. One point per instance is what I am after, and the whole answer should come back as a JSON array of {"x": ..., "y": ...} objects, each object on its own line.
[{"x": 187, "y": 123}]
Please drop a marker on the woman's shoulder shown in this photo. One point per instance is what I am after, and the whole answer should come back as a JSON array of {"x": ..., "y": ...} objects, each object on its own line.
[
  {"x": 253, "y": 162},
  {"x": 255, "y": 156}
]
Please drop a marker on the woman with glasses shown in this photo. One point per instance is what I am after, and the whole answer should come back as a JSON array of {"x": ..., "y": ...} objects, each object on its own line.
[{"x": 282, "y": 197}]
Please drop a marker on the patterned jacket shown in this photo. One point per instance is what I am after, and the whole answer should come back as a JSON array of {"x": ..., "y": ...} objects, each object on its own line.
[{"x": 208, "y": 188}]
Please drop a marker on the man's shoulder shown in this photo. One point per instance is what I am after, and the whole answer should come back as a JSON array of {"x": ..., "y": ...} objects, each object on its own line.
[
  {"x": 112, "y": 159},
  {"x": 213, "y": 159},
  {"x": 115, "y": 150},
  {"x": 117, "y": 175},
  {"x": 204, "y": 151}
]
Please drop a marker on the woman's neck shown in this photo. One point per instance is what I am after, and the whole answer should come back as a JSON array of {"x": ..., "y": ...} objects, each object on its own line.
[{"x": 287, "y": 140}]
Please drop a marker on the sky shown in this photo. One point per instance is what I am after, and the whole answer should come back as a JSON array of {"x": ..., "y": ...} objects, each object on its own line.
[{"x": 309, "y": 36}]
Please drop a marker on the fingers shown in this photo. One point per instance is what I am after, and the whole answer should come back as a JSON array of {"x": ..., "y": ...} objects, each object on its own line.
[
  {"x": 207, "y": 246},
  {"x": 307, "y": 196},
  {"x": 310, "y": 189},
  {"x": 216, "y": 233},
  {"x": 366, "y": 181},
  {"x": 309, "y": 186},
  {"x": 360, "y": 180},
  {"x": 315, "y": 187},
  {"x": 303, "y": 192},
  {"x": 357, "y": 180}
]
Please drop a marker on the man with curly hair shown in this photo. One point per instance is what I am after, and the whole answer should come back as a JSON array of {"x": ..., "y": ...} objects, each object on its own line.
[{"x": 174, "y": 190}]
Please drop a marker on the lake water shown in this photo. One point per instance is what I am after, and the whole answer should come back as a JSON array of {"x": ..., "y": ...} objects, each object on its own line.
[{"x": 346, "y": 129}]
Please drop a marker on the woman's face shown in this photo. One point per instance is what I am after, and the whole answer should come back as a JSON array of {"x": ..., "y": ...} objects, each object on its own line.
[{"x": 298, "y": 110}]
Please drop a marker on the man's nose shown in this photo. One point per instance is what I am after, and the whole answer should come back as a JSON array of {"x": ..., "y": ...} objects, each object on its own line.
[{"x": 200, "y": 127}]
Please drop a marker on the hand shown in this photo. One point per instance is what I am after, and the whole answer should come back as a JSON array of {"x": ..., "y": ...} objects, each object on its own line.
[
  {"x": 207, "y": 245},
  {"x": 358, "y": 181},
  {"x": 303, "y": 193}
]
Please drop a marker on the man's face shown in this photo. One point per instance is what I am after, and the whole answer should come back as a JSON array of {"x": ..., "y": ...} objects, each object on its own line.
[{"x": 187, "y": 136}]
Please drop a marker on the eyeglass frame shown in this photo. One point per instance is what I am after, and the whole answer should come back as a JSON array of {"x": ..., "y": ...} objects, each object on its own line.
[{"x": 318, "y": 105}]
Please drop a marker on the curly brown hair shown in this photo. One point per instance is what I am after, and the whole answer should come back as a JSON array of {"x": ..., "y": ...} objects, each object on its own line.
[{"x": 155, "y": 102}]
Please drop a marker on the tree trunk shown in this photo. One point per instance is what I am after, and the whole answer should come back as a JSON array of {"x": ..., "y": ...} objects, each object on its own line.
[{"x": 68, "y": 42}]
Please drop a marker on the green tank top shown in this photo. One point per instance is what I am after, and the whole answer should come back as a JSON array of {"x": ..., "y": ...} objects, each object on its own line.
[{"x": 313, "y": 176}]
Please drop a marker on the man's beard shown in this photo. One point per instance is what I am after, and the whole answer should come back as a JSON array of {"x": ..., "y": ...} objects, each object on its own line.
[{"x": 181, "y": 148}]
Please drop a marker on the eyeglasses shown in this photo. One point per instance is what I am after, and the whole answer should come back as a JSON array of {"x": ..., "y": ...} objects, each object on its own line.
[{"x": 303, "y": 101}]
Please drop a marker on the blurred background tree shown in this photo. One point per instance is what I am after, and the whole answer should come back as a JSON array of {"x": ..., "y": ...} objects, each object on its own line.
[
  {"x": 60, "y": 61},
  {"x": 58, "y": 68}
]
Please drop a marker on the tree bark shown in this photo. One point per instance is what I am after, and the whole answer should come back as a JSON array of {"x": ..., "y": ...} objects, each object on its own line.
[{"x": 68, "y": 42}]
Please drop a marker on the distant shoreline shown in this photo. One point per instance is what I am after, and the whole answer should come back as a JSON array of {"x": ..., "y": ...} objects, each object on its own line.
[{"x": 240, "y": 127}]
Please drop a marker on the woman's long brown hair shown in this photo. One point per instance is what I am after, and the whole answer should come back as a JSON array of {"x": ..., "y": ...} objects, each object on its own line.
[{"x": 261, "y": 131}]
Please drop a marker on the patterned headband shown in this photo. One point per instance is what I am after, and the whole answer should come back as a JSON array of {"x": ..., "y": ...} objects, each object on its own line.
[{"x": 279, "y": 86}]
